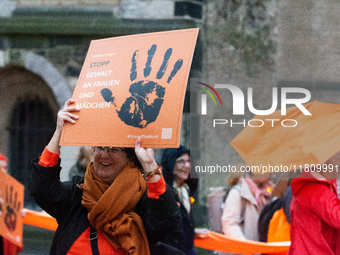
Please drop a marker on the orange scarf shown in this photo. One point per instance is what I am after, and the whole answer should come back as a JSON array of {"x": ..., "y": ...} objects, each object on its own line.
[{"x": 111, "y": 208}]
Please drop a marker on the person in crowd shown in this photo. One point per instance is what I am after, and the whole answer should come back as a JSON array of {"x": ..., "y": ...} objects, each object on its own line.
[
  {"x": 84, "y": 158},
  {"x": 7, "y": 247},
  {"x": 176, "y": 167},
  {"x": 244, "y": 204},
  {"x": 114, "y": 209},
  {"x": 274, "y": 221},
  {"x": 315, "y": 211},
  {"x": 3, "y": 163}
]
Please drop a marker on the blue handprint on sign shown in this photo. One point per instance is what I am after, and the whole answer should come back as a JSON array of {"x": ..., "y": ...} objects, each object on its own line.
[{"x": 145, "y": 102}]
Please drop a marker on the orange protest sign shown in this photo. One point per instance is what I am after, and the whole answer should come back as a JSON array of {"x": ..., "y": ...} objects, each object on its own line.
[
  {"x": 133, "y": 86},
  {"x": 11, "y": 203}
]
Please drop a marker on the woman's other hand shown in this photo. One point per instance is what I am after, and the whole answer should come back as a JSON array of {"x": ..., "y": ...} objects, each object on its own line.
[{"x": 64, "y": 115}]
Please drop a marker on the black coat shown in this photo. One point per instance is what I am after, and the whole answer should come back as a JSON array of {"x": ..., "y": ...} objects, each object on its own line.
[
  {"x": 183, "y": 237},
  {"x": 62, "y": 200}
]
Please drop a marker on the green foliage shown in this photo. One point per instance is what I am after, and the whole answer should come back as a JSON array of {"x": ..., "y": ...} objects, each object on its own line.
[
  {"x": 257, "y": 48},
  {"x": 243, "y": 30},
  {"x": 254, "y": 48}
]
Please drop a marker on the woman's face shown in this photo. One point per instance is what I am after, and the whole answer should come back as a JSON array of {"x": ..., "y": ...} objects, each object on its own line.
[
  {"x": 261, "y": 182},
  {"x": 108, "y": 163},
  {"x": 182, "y": 169}
]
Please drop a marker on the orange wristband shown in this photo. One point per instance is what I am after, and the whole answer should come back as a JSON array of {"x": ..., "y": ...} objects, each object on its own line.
[{"x": 152, "y": 173}]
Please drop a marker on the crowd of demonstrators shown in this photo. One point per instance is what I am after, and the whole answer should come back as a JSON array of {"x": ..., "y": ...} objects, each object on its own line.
[
  {"x": 113, "y": 209},
  {"x": 6, "y": 247},
  {"x": 243, "y": 206},
  {"x": 310, "y": 204},
  {"x": 84, "y": 158},
  {"x": 176, "y": 167},
  {"x": 122, "y": 202}
]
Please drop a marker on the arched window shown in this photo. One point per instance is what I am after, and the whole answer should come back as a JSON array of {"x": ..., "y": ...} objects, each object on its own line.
[{"x": 31, "y": 127}]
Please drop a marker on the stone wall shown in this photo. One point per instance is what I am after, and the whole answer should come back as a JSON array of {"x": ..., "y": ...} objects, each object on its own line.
[
  {"x": 240, "y": 48},
  {"x": 265, "y": 44},
  {"x": 240, "y": 38},
  {"x": 58, "y": 3},
  {"x": 309, "y": 40}
]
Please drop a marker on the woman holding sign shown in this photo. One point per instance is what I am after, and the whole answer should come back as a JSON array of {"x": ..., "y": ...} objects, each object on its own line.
[{"x": 114, "y": 209}]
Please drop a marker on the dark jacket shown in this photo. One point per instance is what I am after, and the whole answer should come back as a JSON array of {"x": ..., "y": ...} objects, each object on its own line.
[
  {"x": 62, "y": 200},
  {"x": 183, "y": 237},
  {"x": 268, "y": 211}
]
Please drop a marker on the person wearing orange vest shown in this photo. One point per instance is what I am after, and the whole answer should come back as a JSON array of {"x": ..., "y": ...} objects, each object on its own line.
[{"x": 114, "y": 209}]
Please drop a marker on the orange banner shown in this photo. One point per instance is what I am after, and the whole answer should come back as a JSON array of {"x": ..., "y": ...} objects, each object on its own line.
[
  {"x": 40, "y": 219},
  {"x": 206, "y": 240},
  {"x": 133, "y": 86},
  {"x": 11, "y": 204},
  {"x": 219, "y": 242}
]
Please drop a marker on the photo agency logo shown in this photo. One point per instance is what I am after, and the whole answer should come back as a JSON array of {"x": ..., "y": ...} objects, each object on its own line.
[
  {"x": 204, "y": 97},
  {"x": 290, "y": 96}
]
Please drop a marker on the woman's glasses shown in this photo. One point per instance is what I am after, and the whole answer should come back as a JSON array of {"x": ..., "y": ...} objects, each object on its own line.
[
  {"x": 182, "y": 162},
  {"x": 111, "y": 150}
]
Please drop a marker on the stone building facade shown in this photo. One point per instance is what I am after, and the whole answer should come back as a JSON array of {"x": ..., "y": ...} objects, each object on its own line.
[
  {"x": 48, "y": 41},
  {"x": 262, "y": 44}
]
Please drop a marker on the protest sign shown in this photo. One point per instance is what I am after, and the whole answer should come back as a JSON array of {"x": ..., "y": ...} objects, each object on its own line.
[
  {"x": 11, "y": 203},
  {"x": 132, "y": 86}
]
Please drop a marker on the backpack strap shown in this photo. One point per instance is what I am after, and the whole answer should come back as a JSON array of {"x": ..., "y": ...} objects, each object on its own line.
[
  {"x": 237, "y": 187},
  {"x": 227, "y": 190},
  {"x": 93, "y": 237}
]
